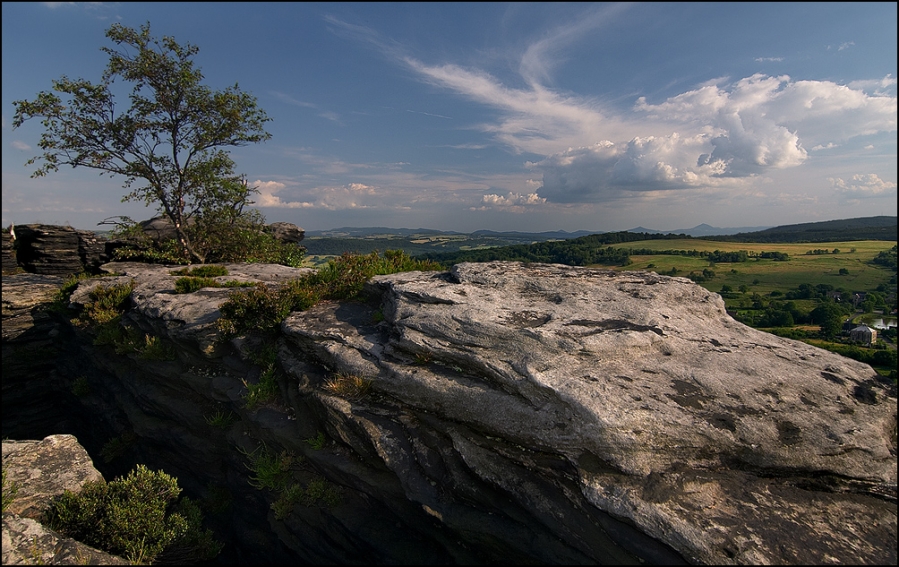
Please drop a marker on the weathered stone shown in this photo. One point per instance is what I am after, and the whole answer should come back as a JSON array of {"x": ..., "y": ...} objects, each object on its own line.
[
  {"x": 8, "y": 254},
  {"x": 669, "y": 413},
  {"x": 48, "y": 249},
  {"x": 27, "y": 542},
  {"x": 45, "y": 469},
  {"x": 519, "y": 414},
  {"x": 286, "y": 232}
]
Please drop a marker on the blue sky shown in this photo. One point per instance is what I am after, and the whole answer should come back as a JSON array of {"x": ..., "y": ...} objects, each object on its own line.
[{"x": 528, "y": 117}]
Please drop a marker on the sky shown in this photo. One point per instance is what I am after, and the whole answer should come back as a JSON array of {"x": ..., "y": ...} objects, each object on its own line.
[{"x": 513, "y": 117}]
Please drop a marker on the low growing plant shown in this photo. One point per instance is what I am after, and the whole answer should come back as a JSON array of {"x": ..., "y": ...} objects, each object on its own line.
[
  {"x": 81, "y": 387},
  {"x": 117, "y": 446},
  {"x": 317, "y": 442},
  {"x": 263, "y": 308},
  {"x": 204, "y": 271},
  {"x": 270, "y": 470},
  {"x": 136, "y": 517},
  {"x": 10, "y": 489},
  {"x": 220, "y": 419},
  {"x": 349, "y": 386}
]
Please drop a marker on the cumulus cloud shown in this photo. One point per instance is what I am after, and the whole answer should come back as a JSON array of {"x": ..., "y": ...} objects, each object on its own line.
[
  {"x": 267, "y": 196},
  {"x": 513, "y": 202},
  {"x": 863, "y": 185},
  {"x": 723, "y": 133}
]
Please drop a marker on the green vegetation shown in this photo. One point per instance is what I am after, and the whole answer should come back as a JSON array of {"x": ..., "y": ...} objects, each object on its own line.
[
  {"x": 262, "y": 308},
  {"x": 106, "y": 304},
  {"x": 318, "y": 492},
  {"x": 136, "y": 517},
  {"x": 266, "y": 389},
  {"x": 270, "y": 470},
  {"x": 206, "y": 271},
  {"x": 867, "y": 228},
  {"x": 348, "y": 386},
  {"x": 81, "y": 387},
  {"x": 190, "y": 284},
  {"x": 317, "y": 442},
  {"x": 10, "y": 489},
  {"x": 220, "y": 419},
  {"x": 118, "y": 446}
]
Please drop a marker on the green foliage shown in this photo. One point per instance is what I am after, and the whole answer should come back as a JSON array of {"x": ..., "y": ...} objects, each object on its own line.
[
  {"x": 349, "y": 386},
  {"x": 60, "y": 302},
  {"x": 190, "y": 284},
  {"x": 263, "y": 308},
  {"x": 317, "y": 442},
  {"x": 10, "y": 489},
  {"x": 168, "y": 145},
  {"x": 220, "y": 419},
  {"x": 135, "y": 517},
  {"x": 265, "y": 390},
  {"x": 106, "y": 304},
  {"x": 886, "y": 258},
  {"x": 206, "y": 271},
  {"x": 318, "y": 492},
  {"x": 270, "y": 470},
  {"x": 117, "y": 446},
  {"x": 81, "y": 387}
]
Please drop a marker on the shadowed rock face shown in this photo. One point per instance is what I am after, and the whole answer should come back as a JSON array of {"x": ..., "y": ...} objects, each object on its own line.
[{"x": 523, "y": 413}]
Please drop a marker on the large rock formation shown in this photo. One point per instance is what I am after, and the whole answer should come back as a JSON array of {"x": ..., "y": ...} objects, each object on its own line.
[
  {"x": 516, "y": 413},
  {"x": 58, "y": 250}
]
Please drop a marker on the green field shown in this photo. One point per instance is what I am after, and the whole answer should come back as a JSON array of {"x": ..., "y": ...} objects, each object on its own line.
[{"x": 764, "y": 275}]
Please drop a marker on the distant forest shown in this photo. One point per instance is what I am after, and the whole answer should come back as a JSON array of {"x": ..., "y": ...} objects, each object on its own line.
[
  {"x": 868, "y": 228},
  {"x": 583, "y": 251},
  {"x": 597, "y": 248}
]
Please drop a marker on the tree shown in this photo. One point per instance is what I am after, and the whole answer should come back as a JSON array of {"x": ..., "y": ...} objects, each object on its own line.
[
  {"x": 168, "y": 145},
  {"x": 829, "y": 316}
]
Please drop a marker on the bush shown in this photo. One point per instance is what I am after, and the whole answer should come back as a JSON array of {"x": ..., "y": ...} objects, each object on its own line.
[
  {"x": 205, "y": 271},
  {"x": 136, "y": 517},
  {"x": 263, "y": 308}
]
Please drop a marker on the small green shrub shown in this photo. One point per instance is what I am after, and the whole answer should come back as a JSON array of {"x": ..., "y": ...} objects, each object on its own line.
[
  {"x": 156, "y": 348},
  {"x": 263, "y": 309},
  {"x": 192, "y": 284},
  {"x": 10, "y": 489},
  {"x": 349, "y": 386},
  {"x": 220, "y": 419},
  {"x": 60, "y": 302},
  {"x": 320, "y": 492},
  {"x": 317, "y": 442},
  {"x": 81, "y": 387},
  {"x": 204, "y": 271},
  {"x": 118, "y": 446},
  {"x": 136, "y": 517},
  {"x": 270, "y": 470},
  {"x": 290, "y": 497},
  {"x": 266, "y": 390},
  {"x": 107, "y": 304}
]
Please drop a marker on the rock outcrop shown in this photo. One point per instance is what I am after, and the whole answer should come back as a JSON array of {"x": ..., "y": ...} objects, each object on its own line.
[
  {"x": 514, "y": 413},
  {"x": 58, "y": 250},
  {"x": 39, "y": 471}
]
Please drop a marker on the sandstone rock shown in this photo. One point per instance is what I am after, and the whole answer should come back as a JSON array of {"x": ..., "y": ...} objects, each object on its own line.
[
  {"x": 48, "y": 249},
  {"x": 160, "y": 228},
  {"x": 711, "y": 436},
  {"x": 44, "y": 469},
  {"x": 8, "y": 254},
  {"x": 286, "y": 232},
  {"x": 523, "y": 413}
]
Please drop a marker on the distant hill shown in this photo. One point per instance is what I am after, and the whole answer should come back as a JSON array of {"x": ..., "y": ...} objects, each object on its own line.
[
  {"x": 701, "y": 230},
  {"x": 865, "y": 228}
]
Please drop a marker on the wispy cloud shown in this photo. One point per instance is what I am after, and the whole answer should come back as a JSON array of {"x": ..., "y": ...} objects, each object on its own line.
[
  {"x": 327, "y": 114},
  {"x": 769, "y": 59},
  {"x": 429, "y": 114},
  {"x": 19, "y": 145}
]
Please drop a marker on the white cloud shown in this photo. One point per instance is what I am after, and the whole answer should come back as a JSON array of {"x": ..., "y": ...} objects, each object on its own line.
[
  {"x": 19, "y": 145},
  {"x": 267, "y": 196},
  {"x": 828, "y": 146},
  {"x": 766, "y": 59},
  {"x": 863, "y": 185},
  {"x": 845, "y": 45},
  {"x": 513, "y": 202}
]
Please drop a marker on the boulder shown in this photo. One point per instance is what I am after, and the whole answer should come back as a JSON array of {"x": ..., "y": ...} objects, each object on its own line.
[
  {"x": 729, "y": 444},
  {"x": 48, "y": 249},
  {"x": 9, "y": 255},
  {"x": 286, "y": 232},
  {"x": 37, "y": 472}
]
